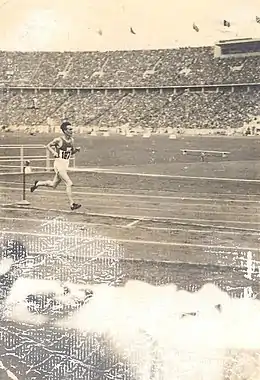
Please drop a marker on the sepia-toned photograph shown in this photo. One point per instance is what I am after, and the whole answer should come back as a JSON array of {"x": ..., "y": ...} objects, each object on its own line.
[{"x": 129, "y": 190}]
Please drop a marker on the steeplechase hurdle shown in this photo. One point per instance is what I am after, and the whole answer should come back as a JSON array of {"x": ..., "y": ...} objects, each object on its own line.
[
  {"x": 25, "y": 164},
  {"x": 19, "y": 156},
  {"x": 203, "y": 153}
]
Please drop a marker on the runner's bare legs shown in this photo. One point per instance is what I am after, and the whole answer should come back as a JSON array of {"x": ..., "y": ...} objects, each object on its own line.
[
  {"x": 61, "y": 148},
  {"x": 55, "y": 182}
]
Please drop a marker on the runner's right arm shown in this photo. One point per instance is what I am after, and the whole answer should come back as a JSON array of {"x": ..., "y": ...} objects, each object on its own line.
[{"x": 53, "y": 144}]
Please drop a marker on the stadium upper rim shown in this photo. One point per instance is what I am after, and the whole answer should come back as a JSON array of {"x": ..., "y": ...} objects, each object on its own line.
[{"x": 44, "y": 25}]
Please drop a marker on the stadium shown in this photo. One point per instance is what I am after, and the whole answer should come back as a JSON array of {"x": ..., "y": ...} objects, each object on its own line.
[{"x": 164, "y": 252}]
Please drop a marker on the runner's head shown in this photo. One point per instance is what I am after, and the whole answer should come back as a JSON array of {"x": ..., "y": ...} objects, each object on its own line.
[{"x": 66, "y": 128}]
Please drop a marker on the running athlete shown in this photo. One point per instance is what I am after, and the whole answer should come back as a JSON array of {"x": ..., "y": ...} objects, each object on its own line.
[{"x": 62, "y": 148}]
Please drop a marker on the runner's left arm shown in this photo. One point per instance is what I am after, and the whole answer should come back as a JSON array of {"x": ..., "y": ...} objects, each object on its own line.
[{"x": 75, "y": 149}]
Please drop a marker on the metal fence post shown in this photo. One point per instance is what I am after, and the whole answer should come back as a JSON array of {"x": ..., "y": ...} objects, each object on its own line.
[
  {"x": 21, "y": 157},
  {"x": 23, "y": 201},
  {"x": 48, "y": 164}
]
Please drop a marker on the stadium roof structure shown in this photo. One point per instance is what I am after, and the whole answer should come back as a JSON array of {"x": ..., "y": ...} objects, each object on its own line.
[
  {"x": 66, "y": 25},
  {"x": 238, "y": 41}
]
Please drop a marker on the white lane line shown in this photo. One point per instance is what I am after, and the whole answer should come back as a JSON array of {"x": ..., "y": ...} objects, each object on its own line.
[
  {"x": 127, "y": 217},
  {"x": 169, "y": 176},
  {"x": 129, "y": 241},
  {"x": 176, "y": 210},
  {"x": 97, "y": 194},
  {"x": 132, "y": 224},
  {"x": 147, "y": 193},
  {"x": 167, "y": 210},
  {"x": 46, "y": 221},
  {"x": 176, "y": 244},
  {"x": 152, "y": 175},
  {"x": 252, "y": 232},
  {"x": 236, "y": 230}
]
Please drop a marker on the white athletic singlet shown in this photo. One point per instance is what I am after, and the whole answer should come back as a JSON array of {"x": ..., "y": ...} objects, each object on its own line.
[{"x": 64, "y": 152}]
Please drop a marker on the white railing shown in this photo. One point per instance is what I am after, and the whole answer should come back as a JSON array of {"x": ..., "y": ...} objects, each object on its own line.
[{"x": 21, "y": 157}]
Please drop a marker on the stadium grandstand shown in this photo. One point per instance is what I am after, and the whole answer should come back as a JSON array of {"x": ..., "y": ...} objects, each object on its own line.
[
  {"x": 144, "y": 88},
  {"x": 125, "y": 72}
]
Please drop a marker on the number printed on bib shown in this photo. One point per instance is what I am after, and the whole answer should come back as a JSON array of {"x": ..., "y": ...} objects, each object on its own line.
[{"x": 66, "y": 154}]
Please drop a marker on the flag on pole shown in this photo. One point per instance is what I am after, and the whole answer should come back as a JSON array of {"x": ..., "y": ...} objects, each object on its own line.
[
  {"x": 195, "y": 27},
  {"x": 226, "y": 23}
]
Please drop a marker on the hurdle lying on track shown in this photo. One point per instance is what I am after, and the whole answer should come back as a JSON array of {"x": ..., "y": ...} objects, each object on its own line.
[{"x": 204, "y": 153}]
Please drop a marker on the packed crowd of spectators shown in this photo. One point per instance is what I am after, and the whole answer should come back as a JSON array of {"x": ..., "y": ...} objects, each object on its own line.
[
  {"x": 184, "y": 66},
  {"x": 186, "y": 110},
  {"x": 112, "y": 108}
]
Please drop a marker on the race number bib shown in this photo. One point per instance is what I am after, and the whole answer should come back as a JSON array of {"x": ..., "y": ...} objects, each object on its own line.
[{"x": 66, "y": 154}]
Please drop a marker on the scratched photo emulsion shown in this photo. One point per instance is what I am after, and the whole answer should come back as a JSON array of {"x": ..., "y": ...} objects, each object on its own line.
[{"x": 130, "y": 190}]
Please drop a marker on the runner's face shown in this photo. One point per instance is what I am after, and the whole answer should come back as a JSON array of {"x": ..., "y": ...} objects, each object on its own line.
[{"x": 69, "y": 131}]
